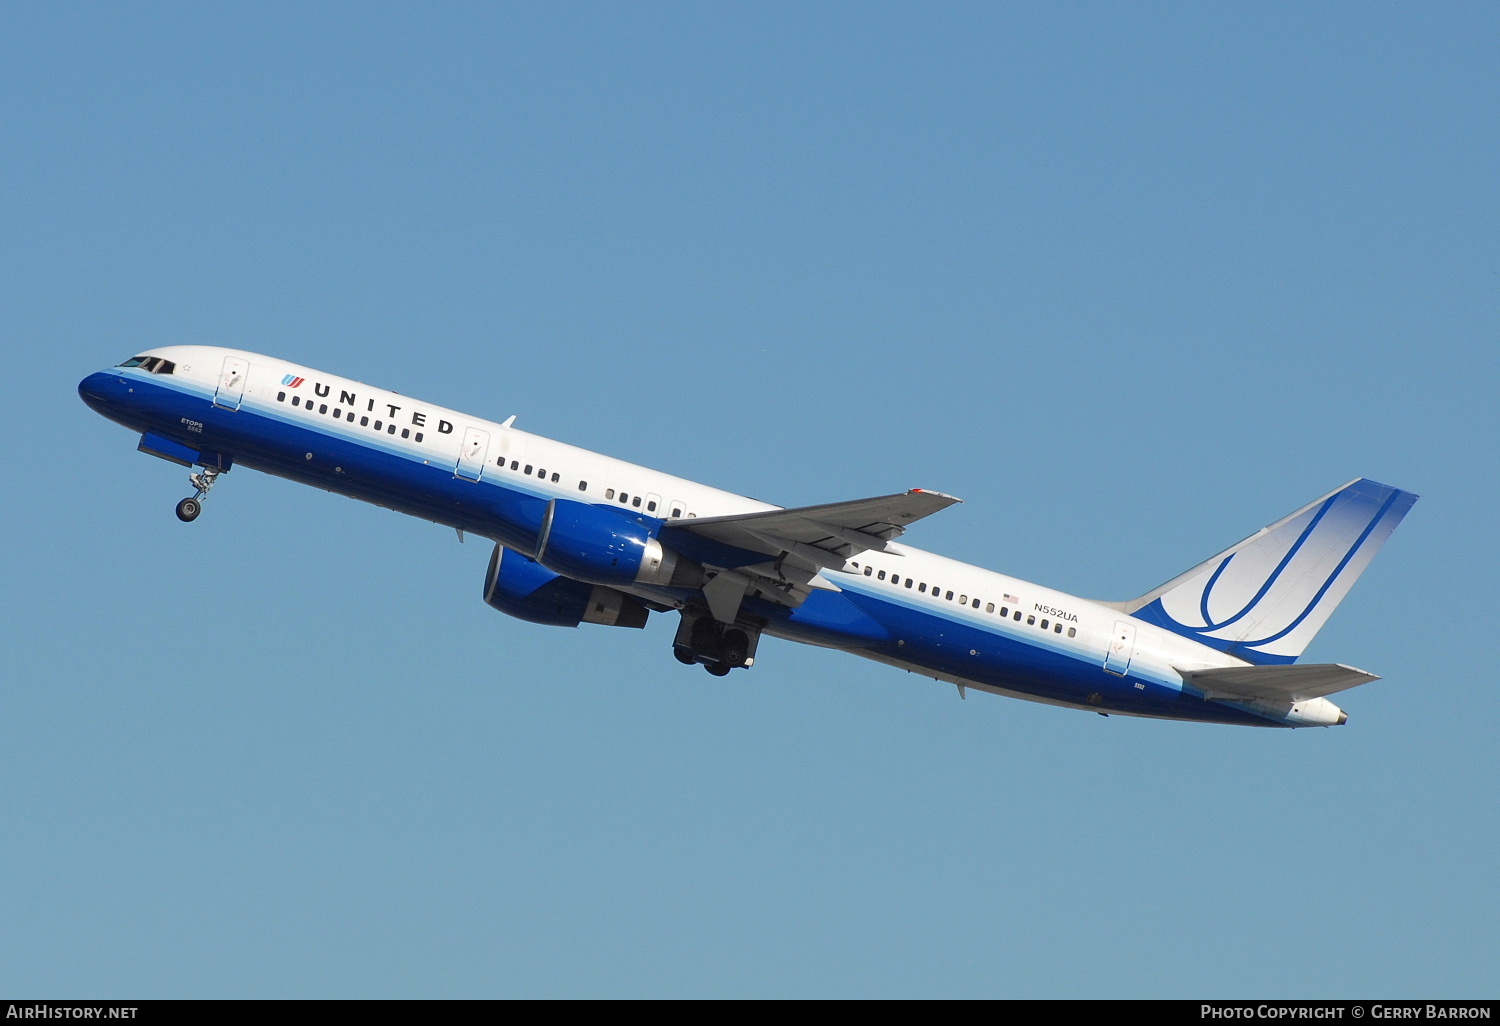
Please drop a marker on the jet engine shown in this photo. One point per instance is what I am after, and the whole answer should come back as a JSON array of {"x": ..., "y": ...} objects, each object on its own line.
[
  {"x": 601, "y": 546},
  {"x": 524, "y": 588}
]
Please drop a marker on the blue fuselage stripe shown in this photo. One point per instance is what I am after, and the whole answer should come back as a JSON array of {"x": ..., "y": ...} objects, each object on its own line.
[{"x": 356, "y": 462}]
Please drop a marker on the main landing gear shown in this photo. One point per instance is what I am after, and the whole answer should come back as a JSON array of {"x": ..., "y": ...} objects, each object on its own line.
[
  {"x": 719, "y": 648},
  {"x": 189, "y": 508}
]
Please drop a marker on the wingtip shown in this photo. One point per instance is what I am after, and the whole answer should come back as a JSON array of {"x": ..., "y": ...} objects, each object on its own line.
[{"x": 940, "y": 495}]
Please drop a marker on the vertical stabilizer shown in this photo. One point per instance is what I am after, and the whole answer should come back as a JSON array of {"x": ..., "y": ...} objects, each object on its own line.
[{"x": 1265, "y": 598}]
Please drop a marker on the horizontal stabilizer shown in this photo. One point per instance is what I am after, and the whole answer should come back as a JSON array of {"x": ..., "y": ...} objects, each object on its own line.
[{"x": 1296, "y": 683}]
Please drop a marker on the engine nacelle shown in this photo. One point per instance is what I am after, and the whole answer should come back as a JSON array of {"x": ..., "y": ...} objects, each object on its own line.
[
  {"x": 525, "y": 589},
  {"x": 599, "y": 545}
]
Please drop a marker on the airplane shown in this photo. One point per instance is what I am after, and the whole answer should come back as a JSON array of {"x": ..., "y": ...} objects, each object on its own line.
[{"x": 581, "y": 537}]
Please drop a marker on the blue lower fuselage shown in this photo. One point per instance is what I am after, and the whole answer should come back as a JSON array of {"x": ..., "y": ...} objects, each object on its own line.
[{"x": 858, "y": 619}]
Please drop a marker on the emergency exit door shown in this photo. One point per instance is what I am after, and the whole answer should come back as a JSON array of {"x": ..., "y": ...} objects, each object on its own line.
[
  {"x": 232, "y": 383},
  {"x": 471, "y": 455},
  {"x": 1121, "y": 648}
]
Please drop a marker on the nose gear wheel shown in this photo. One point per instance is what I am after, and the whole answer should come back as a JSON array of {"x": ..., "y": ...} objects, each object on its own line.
[{"x": 189, "y": 508}]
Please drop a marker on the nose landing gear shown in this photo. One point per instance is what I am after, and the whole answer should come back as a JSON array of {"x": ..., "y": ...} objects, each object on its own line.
[{"x": 189, "y": 508}]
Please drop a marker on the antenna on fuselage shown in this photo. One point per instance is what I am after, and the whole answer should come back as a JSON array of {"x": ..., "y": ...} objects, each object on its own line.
[{"x": 509, "y": 421}]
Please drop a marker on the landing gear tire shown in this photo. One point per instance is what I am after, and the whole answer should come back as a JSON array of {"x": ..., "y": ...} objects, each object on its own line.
[
  {"x": 718, "y": 669},
  {"x": 189, "y": 508},
  {"x": 706, "y": 640},
  {"x": 734, "y": 648},
  {"x": 684, "y": 655}
]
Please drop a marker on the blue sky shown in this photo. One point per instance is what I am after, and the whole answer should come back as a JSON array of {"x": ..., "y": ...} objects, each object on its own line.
[{"x": 1132, "y": 280}]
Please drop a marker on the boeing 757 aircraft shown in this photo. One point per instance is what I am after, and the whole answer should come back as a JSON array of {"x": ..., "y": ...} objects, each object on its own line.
[{"x": 585, "y": 538}]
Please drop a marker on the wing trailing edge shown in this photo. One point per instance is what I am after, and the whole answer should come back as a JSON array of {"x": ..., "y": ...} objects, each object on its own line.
[{"x": 800, "y": 543}]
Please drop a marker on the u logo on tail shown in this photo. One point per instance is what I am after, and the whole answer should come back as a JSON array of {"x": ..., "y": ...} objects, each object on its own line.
[{"x": 1265, "y": 598}]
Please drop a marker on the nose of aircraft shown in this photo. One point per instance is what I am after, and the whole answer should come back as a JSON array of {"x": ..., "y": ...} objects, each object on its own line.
[{"x": 97, "y": 390}]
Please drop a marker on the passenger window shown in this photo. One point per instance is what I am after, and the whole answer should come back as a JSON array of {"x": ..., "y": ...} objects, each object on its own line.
[
  {"x": 908, "y": 582},
  {"x": 363, "y": 421},
  {"x": 624, "y": 498},
  {"x": 1072, "y": 631},
  {"x": 609, "y": 493},
  {"x": 281, "y": 397},
  {"x": 651, "y": 507},
  {"x": 922, "y": 587},
  {"x": 868, "y": 571},
  {"x": 963, "y": 600},
  {"x": 989, "y": 607},
  {"x": 950, "y": 596},
  {"x": 323, "y": 408},
  {"x": 583, "y": 486},
  {"x": 406, "y": 432},
  {"x": 390, "y": 429},
  {"x": 554, "y": 478},
  {"x": 676, "y": 511},
  {"x": 338, "y": 414},
  {"x": 1030, "y": 620},
  {"x": 350, "y": 418},
  {"x": 881, "y": 575},
  {"x": 515, "y": 464},
  {"x": 1057, "y": 628},
  {"x": 1018, "y": 616},
  {"x": 541, "y": 474},
  {"x": 419, "y": 434},
  {"x": 296, "y": 400},
  {"x": 975, "y": 603},
  {"x": 528, "y": 470},
  {"x": 1004, "y": 612},
  {"x": 1044, "y": 625},
  {"x": 636, "y": 502}
]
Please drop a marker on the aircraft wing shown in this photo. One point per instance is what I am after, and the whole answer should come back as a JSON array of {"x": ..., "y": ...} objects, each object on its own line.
[
  {"x": 800, "y": 542},
  {"x": 1290, "y": 681}
]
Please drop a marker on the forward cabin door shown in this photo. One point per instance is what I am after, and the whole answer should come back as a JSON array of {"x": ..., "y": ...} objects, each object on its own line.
[
  {"x": 232, "y": 383},
  {"x": 471, "y": 454},
  {"x": 1121, "y": 648}
]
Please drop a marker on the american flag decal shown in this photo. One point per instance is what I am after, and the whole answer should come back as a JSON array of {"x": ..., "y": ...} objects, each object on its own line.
[
  {"x": 291, "y": 381},
  {"x": 1013, "y": 599}
]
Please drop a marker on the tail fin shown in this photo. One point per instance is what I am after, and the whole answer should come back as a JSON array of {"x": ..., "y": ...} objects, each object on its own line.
[{"x": 1265, "y": 598}]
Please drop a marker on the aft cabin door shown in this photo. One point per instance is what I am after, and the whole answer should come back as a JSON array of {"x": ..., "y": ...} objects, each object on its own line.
[
  {"x": 232, "y": 383},
  {"x": 471, "y": 456},
  {"x": 1121, "y": 648}
]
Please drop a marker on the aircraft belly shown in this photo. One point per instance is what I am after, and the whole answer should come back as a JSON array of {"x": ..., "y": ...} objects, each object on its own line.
[{"x": 985, "y": 658}]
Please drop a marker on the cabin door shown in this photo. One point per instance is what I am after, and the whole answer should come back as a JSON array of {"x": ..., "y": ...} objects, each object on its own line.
[
  {"x": 232, "y": 383},
  {"x": 1121, "y": 648},
  {"x": 476, "y": 446}
]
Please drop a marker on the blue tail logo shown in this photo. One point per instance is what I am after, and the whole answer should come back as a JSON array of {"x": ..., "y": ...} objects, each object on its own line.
[{"x": 1265, "y": 598}]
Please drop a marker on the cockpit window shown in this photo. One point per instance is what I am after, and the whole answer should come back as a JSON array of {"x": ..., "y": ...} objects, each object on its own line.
[{"x": 154, "y": 364}]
